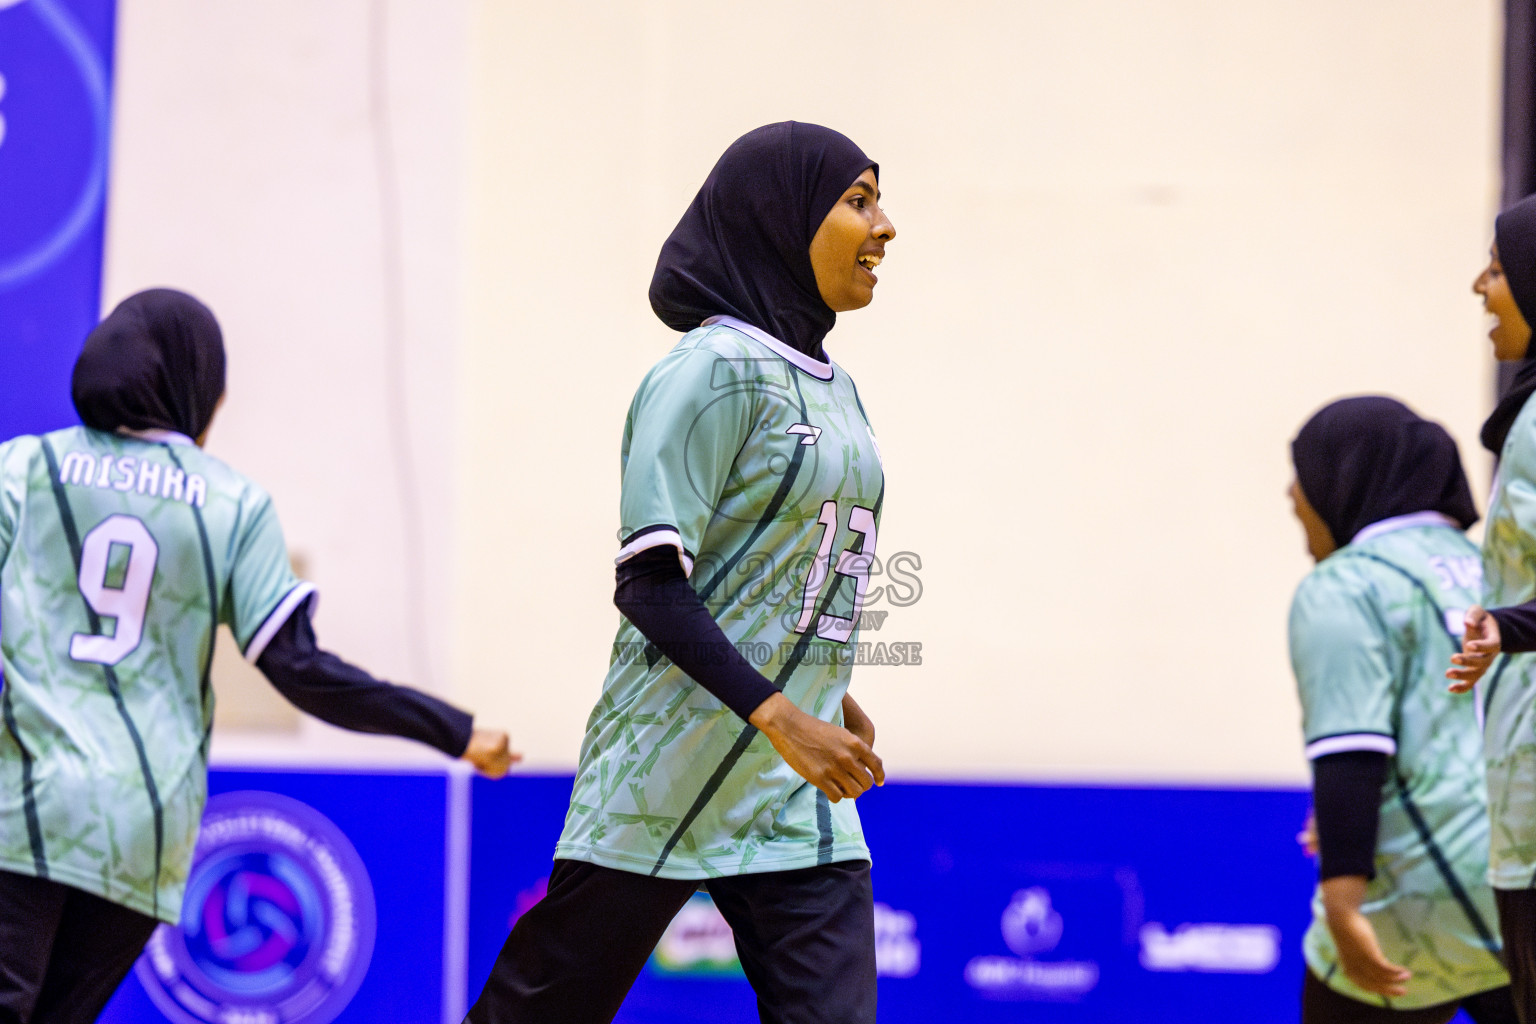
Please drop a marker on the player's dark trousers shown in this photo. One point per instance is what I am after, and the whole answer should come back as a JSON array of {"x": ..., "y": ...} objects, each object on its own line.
[
  {"x": 806, "y": 940},
  {"x": 63, "y": 952},
  {"x": 1517, "y": 923},
  {"x": 1322, "y": 1005}
]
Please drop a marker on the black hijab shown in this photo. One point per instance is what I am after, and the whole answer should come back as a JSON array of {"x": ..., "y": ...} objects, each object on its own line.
[
  {"x": 1514, "y": 231},
  {"x": 1362, "y": 460},
  {"x": 156, "y": 361},
  {"x": 743, "y": 247}
]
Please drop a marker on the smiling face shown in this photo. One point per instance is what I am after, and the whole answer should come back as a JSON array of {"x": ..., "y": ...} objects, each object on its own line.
[
  {"x": 850, "y": 244},
  {"x": 1510, "y": 333}
]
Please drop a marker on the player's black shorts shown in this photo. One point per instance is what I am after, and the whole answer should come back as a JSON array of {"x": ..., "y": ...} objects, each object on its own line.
[
  {"x": 1517, "y": 923},
  {"x": 806, "y": 940},
  {"x": 1322, "y": 1005},
  {"x": 62, "y": 951}
]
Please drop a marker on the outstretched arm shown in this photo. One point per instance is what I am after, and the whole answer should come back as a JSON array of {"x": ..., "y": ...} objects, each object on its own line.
[{"x": 323, "y": 685}]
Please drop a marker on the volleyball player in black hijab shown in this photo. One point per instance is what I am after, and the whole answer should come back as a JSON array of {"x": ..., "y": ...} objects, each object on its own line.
[
  {"x": 738, "y": 777},
  {"x": 1404, "y": 925},
  {"x": 1507, "y": 287},
  {"x": 103, "y": 736}
]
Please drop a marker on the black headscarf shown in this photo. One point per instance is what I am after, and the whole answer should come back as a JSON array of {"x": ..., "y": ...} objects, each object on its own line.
[
  {"x": 156, "y": 361},
  {"x": 743, "y": 247},
  {"x": 1514, "y": 231},
  {"x": 1362, "y": 460}
]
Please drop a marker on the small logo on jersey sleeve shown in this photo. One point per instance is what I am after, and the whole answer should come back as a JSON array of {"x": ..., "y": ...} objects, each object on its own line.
[{"x": 810, "y": 434}]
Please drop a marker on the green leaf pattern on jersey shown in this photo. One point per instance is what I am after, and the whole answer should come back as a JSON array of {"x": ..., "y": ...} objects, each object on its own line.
[
  {"x": 1370, "y": 643},
  {"x": 1509, "y": 691},
  {"x": 709, "y": 453},
  {"x": 78, "y": 802}
]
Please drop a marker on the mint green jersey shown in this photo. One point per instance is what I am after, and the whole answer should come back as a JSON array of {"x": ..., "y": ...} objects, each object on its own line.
[
  {"x": 1508, "y": 692},
  {"x": 119, "y": 556},
  {"x": 1372, "y": 631},
  {"x": 757, "y": 464}
]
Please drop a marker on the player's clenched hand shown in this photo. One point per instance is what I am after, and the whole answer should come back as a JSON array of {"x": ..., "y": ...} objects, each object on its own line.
[
  {"x": 827, "y": 756},
  {"x": 1479, "y": 646},
  {"x": 490, "y": 751}
]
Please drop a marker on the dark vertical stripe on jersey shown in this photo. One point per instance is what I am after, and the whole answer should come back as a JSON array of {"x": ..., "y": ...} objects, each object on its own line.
[
  {"x": 28, "y": 794},
  {"x": 72, "y": 534},
  {"x": 1493, "y": 685},
  {"x": 1426, "y": 836},
  {"x": 1458, "y": 891},
  {"x": 740, "y": 746},
  {"x": 824, "y": 828},
  {"x": 781, "y": 495},
  {"x": 213, "y": 605}
]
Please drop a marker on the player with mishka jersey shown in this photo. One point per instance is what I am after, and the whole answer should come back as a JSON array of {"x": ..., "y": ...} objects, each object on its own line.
[{"x": 123, "y": 547}]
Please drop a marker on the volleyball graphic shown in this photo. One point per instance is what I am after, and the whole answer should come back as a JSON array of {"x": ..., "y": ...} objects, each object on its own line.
[{"x": 278, "y": 922}]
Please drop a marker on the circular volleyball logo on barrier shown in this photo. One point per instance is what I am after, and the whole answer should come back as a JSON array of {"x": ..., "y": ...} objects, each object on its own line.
[{"x": 278, "y": 922}]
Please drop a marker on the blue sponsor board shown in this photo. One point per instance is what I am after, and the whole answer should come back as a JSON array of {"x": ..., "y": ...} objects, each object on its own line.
[
  {"x": 314, "y": 897},
  {"x": 55, "y": 107},
  {"x": 994, "y": 903}
]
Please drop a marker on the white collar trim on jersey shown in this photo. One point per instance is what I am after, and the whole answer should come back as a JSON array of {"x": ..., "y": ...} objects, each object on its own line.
[
  {"x": 815, "y": 367},
  {"x": 157, "y": 435},
  {"x": 1404, "y": 522}
]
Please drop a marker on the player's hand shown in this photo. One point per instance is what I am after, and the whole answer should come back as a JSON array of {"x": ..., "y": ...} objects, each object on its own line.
[
  {"x": 1480, "y": 644},
  {"x": 1307, "y": 837},
  {"x": 827, "y": 756},
  {"x": 1361, "y": 958},
  {"x": 857, "y": 722},
  {"x": 490, "y": 751}
]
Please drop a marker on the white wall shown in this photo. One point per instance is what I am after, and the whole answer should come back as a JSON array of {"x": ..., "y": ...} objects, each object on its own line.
[
  {"x": 288, "y": 162},
  {"x": 1138, "y": 245}
]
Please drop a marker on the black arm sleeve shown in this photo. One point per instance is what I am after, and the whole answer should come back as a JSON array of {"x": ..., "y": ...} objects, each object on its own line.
[
  {"x": 333, "y": 691},
  {"x": 653, "y": 593},
  {"x": 1517, "y": 627},
  {"x": 1346, "y": 798}
]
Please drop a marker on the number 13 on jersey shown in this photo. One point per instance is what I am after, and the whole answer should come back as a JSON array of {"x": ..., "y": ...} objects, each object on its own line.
[{"x": 853, "y": 564}]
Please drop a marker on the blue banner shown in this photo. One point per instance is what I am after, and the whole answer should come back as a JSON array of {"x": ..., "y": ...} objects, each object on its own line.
[
  {"x": 321, "y": 896},
  {"x": 314, "y": 898},
  {"x": 55, "y": 126},
  {"x": 993, "y": 903}
]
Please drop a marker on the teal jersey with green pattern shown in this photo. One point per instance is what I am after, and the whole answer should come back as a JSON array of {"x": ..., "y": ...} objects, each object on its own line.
[
  {"x": 1372, "y": 631},
  {"x": 119, "y": 556},
  {"x": 758, "y": 465},
  {"x": 1508, "y": 692}
]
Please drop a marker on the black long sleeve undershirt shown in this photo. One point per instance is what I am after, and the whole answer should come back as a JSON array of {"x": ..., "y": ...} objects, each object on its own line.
[
  {"x": 652, "y": 592},
  {"x": 1346, "y": 800},
  {"x": 323, "y": 685},
  {"x": 1517, "y": 627}
]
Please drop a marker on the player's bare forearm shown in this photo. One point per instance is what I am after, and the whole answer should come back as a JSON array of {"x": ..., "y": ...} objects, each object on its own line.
[
  {"x": 857, "y": 722},
  {"x": 1360, "y": 953},
  {"x": 490, "y": 751},
  {"x": 827, "y": 756},
  {"x": 1480, "y": 644}
]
